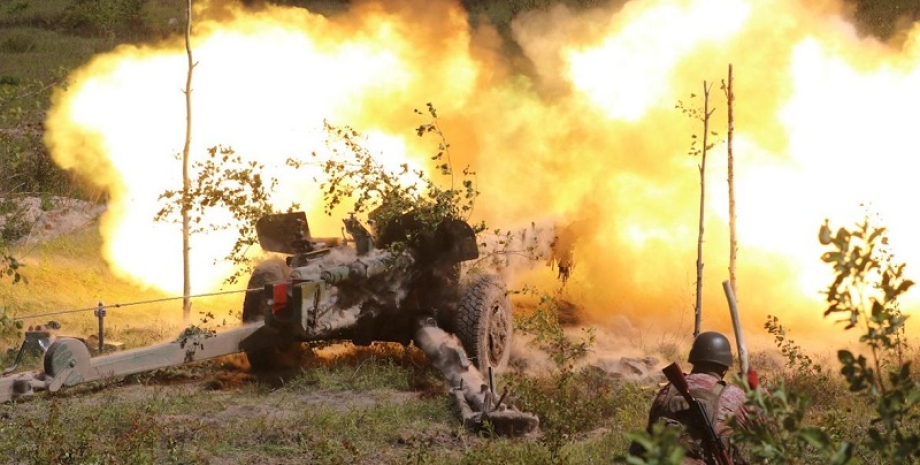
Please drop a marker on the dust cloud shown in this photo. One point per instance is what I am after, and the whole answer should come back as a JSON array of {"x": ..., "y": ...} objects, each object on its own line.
[{"x": 568, "y": 119}]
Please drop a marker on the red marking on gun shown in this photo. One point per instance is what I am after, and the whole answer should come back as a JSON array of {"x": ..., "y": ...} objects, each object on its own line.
[
  {"x": 279, "y": 297},
  {"x": 712, "y": 442}
]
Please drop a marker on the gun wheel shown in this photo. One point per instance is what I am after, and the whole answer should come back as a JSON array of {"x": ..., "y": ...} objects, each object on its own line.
[
  {"x": 254, "y": 305},
  {"x": 70, "y": 357},
  {"x": 484, "y": 323},
  {"x": 286, "y": 354}
]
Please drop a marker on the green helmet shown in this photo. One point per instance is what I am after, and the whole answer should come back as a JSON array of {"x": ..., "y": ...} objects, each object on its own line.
[{"x": 711, "y": 347}]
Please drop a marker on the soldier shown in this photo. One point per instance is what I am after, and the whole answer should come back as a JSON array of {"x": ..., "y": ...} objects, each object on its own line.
[{"x": 711, "y": 356}]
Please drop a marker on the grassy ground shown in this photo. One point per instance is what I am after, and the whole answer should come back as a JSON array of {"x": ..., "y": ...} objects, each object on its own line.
[
  {"x": 373, "y": 406},
  {"x": 67, "y": 273}
]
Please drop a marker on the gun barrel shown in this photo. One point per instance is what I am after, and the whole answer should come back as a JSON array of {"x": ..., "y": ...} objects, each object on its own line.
[
  {"x": 675, "y": 376},
  {"x": 361, "y": 269}
]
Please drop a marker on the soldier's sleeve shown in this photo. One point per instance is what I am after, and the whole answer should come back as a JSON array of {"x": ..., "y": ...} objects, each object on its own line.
[
  {"x": 732, "y": 405},
  {"x": 657, "y": 408}
]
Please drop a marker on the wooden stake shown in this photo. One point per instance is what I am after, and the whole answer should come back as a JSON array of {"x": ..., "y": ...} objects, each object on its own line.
[{"x": 733, "y": 237}]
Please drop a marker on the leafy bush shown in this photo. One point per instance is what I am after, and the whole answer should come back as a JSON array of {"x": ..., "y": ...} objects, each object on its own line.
[
  {"x": 104, "y": 17},
  {"x": 352, "y": 174},
  {"x": 17, "y": 43},
  {"x": 865, "y": 293},
  {"x": 569, "y": 400},
  {"x": 26, "y": 165},
  {"x": 543, "y": 322},
  {"x": 572, "y": 406},
  {"x": 801, "y": 373},
  {"x": 662, "y": 446},
  {"x": 777, "y": 433}
]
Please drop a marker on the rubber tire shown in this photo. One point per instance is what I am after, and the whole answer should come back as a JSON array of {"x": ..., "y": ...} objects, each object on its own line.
[
  {"x": 254, "y": 306},
  {"x": 285, "y": 355},
  {"x": 483, "y": 322}
]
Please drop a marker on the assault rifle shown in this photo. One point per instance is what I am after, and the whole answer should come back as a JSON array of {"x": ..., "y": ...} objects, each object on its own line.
[{"x": 711, "y": 440}]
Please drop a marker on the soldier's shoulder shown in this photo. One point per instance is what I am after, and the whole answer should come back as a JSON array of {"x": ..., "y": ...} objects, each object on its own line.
[
  {"x": 734, "y": 394},
  {"x": 702, "y": 380}
]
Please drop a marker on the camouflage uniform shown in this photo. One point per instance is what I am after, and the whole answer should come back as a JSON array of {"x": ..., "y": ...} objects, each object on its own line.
[{"x": 670, "y": 407}]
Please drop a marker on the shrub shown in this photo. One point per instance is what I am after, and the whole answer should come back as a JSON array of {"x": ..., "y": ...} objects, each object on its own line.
[
  {"x": 352, "y": 174},
  {"x": 865, "y": 293},
  {"x": 104, "y": 17},
  {"x": 17, "y": 43}
]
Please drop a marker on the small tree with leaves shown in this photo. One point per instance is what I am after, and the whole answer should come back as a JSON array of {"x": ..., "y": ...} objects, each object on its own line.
[
  {"x": 865, "y": 294},
  {"x": 224, "y": 181},
  {"x": 700, "y": 150}
]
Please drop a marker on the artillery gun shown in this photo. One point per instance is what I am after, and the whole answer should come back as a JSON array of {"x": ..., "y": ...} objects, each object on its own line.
[
  {"x": 363, "y": 291},
  {"x": 403, "y": 284}
]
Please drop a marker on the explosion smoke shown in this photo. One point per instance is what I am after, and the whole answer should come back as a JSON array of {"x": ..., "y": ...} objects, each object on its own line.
[{"x": 823, "y": 123}]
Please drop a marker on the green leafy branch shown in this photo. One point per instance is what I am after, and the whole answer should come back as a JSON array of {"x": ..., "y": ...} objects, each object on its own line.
[
  {"x": 698, "y": 113},
  {"x": 224, "y": 181},
  {"x": 775, "y": 431},
  {"x": 796, "y": 359},
  {"x": 543, "y": 323},
  {"x": 865, "y": 293},
  {"x": 352, "y": 173},
  {"x": 662, "y": 446},
  {"x": 193, "y": 337}
]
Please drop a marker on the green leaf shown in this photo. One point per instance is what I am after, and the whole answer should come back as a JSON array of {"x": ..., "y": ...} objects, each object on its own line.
[{"x": 815, "y": 437}]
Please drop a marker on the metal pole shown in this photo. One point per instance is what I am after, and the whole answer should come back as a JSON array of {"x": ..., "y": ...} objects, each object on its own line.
[{"x": 100, "y": 314}]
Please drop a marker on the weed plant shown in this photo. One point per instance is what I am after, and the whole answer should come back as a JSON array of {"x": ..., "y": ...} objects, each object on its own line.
[{"x": 572, "y": 401}]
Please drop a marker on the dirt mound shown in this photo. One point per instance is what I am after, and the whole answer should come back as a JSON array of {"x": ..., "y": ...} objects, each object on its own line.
[{"x": 29, "y": 220}]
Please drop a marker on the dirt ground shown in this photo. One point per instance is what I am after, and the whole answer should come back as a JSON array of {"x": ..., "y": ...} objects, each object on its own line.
[{"x": 45, "y": 219}]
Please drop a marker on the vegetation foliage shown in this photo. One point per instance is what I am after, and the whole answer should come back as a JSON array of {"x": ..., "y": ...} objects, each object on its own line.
[
  {"x": 353, "y": 177},
  {"x": 226, "y": 182},
  {"x": 864, "y": 295}
]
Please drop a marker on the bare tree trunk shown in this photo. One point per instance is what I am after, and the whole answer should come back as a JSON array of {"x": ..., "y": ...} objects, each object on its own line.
[
  {"x": 698, "y": 310},
  {"x": 186, "y": 222},
  {"x": 733, "y": 237}
]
